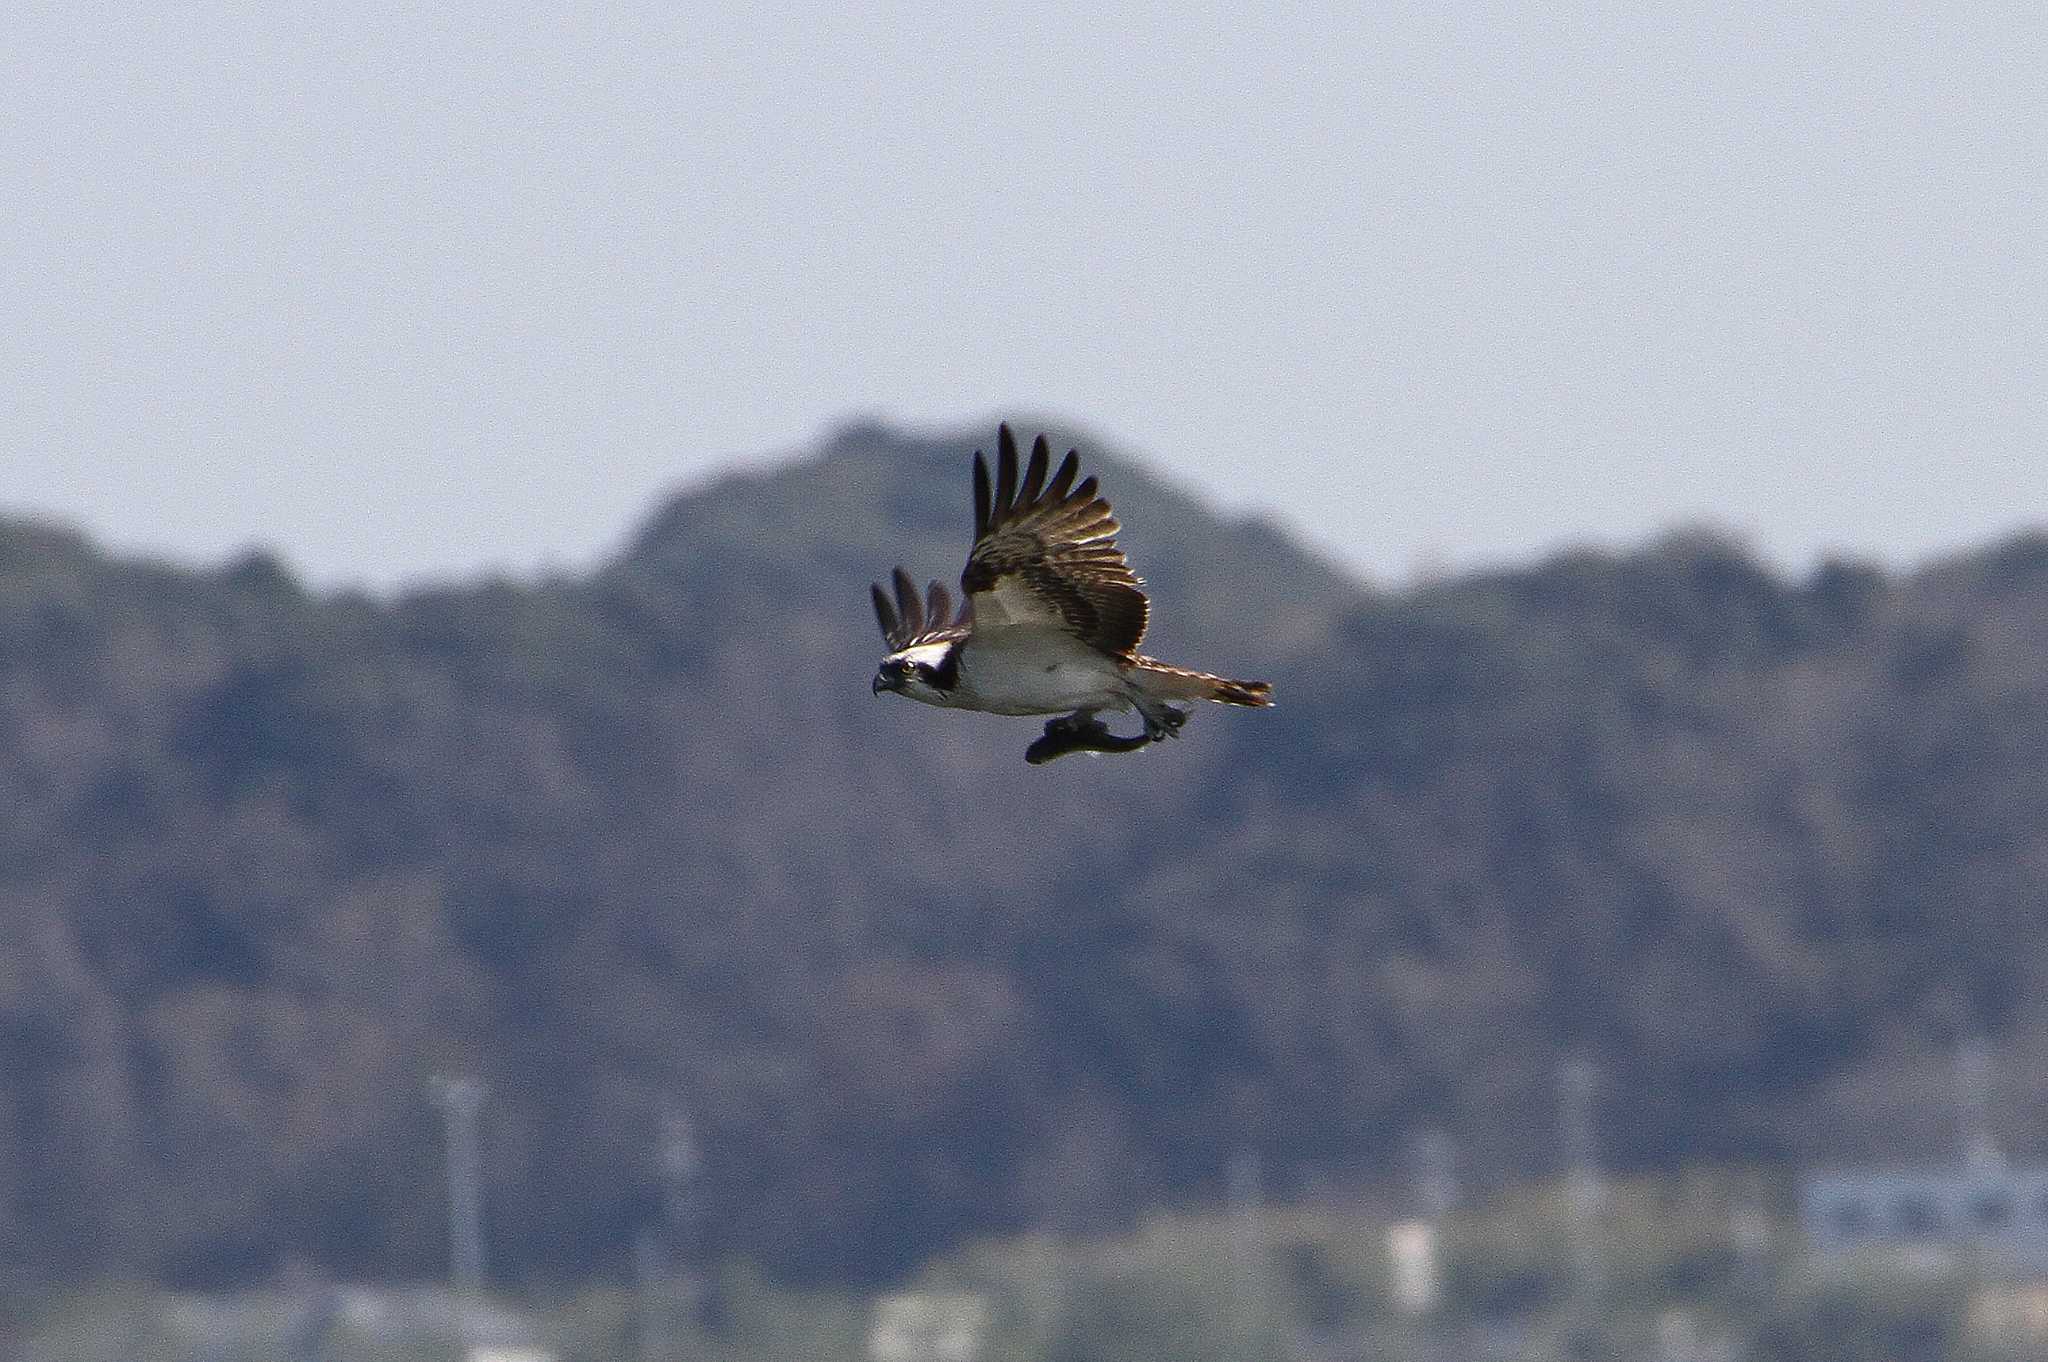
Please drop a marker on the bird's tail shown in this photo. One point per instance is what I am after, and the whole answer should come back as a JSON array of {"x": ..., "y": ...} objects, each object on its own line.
[{"x": 1178, "y": 683}]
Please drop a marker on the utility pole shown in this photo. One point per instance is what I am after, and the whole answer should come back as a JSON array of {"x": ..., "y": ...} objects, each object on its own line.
[
  {"x": 461, "y": 1100},
  {"x": 651, "y": 1284},
  {"x": 1973, "y": 1105},
  {"x": 682, "y": 1162},
  {"x": 1246, "y": 1198},
  {"x": 1576, "y": 1081},
  {"x": 1415, "y": 1282},
  {"x": 666, "y": 1252}
]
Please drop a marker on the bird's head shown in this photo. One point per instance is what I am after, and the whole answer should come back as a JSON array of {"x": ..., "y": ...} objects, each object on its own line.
[
  {"x": 894, "y": 674},
  {"x": 922, "y": 673}
]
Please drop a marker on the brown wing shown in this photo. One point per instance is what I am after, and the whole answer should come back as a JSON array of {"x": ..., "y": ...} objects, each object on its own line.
[
  {"x": 1045, "y": 554},
  {"x": 910, "y": 621}
]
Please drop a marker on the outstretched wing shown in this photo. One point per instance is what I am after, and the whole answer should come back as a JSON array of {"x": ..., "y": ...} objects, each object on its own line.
[
  {"x": 910, "y": 621},
  {"x": 1045, "y": 554}
]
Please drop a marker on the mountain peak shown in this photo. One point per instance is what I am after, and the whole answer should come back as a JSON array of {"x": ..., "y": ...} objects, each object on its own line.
[{"x": 872, "y": 495}]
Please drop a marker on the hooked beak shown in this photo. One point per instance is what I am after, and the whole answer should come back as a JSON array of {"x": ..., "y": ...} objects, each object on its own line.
[{"x": 882, "y": 685}]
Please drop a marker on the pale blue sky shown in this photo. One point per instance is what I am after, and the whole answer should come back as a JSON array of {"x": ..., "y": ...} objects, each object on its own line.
[{"x": 406, "y": 291}]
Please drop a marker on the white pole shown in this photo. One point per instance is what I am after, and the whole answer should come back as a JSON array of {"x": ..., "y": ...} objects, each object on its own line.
[
  {"x": 1575, "y": 1081},
  {"x": 1247, "y": 1197},
  {"x": 461, "y": 1100},
  {"x": 1973, "y": 1104}
]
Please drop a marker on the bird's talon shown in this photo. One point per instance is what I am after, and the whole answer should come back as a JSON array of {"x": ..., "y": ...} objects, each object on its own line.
[{"x": 1166, "y": 724}]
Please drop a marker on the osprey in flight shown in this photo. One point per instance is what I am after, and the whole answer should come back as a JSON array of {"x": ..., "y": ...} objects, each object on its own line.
[{"x": 1050, "y": 622}]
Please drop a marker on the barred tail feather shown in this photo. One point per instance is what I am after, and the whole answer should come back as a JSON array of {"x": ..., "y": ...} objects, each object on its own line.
[
  {"x": 1257, "y": 694},
  {"x": 1178, "y": 683}
]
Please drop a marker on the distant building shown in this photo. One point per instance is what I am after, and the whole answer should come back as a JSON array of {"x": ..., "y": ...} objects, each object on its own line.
[
  {"x": 928, "y": 1326},
  {"x": 1416, "y": 1273},
  {"x": 2013, "y": 1318},
  {"x": 1992, "y": 1211}
]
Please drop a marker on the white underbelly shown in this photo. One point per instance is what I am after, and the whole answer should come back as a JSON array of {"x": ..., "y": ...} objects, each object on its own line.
[{"x": 1040, "y": 673}]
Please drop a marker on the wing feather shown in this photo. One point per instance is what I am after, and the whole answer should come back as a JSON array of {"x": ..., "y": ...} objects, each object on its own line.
[
  {"x": 1006, "y": 468},
  {"x": 1034, "y": 476},
  {"x": 885, "y": 614},
  {"x": 1064, "y": 479},
  {"x": 911, "y": 620},
  {"x": 1045, "y": 554},
  {"x": 907, "y": 602}
]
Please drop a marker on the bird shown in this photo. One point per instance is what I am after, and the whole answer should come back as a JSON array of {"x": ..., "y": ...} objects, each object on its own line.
[{"x": 1049, "y": 619}]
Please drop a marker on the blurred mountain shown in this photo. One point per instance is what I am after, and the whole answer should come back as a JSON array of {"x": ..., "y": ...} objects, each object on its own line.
[{"x": 643, "y": 841}]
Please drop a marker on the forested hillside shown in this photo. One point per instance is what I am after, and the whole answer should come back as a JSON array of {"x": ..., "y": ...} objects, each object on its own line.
[{"x": 271, "y": 858}]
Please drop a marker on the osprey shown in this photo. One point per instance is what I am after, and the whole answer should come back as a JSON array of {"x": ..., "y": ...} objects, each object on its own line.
[{"x": 1050, "y": 619}]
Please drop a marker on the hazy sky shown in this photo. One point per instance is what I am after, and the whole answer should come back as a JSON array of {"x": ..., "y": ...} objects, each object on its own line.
[{"x": 404, "y": 291}]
